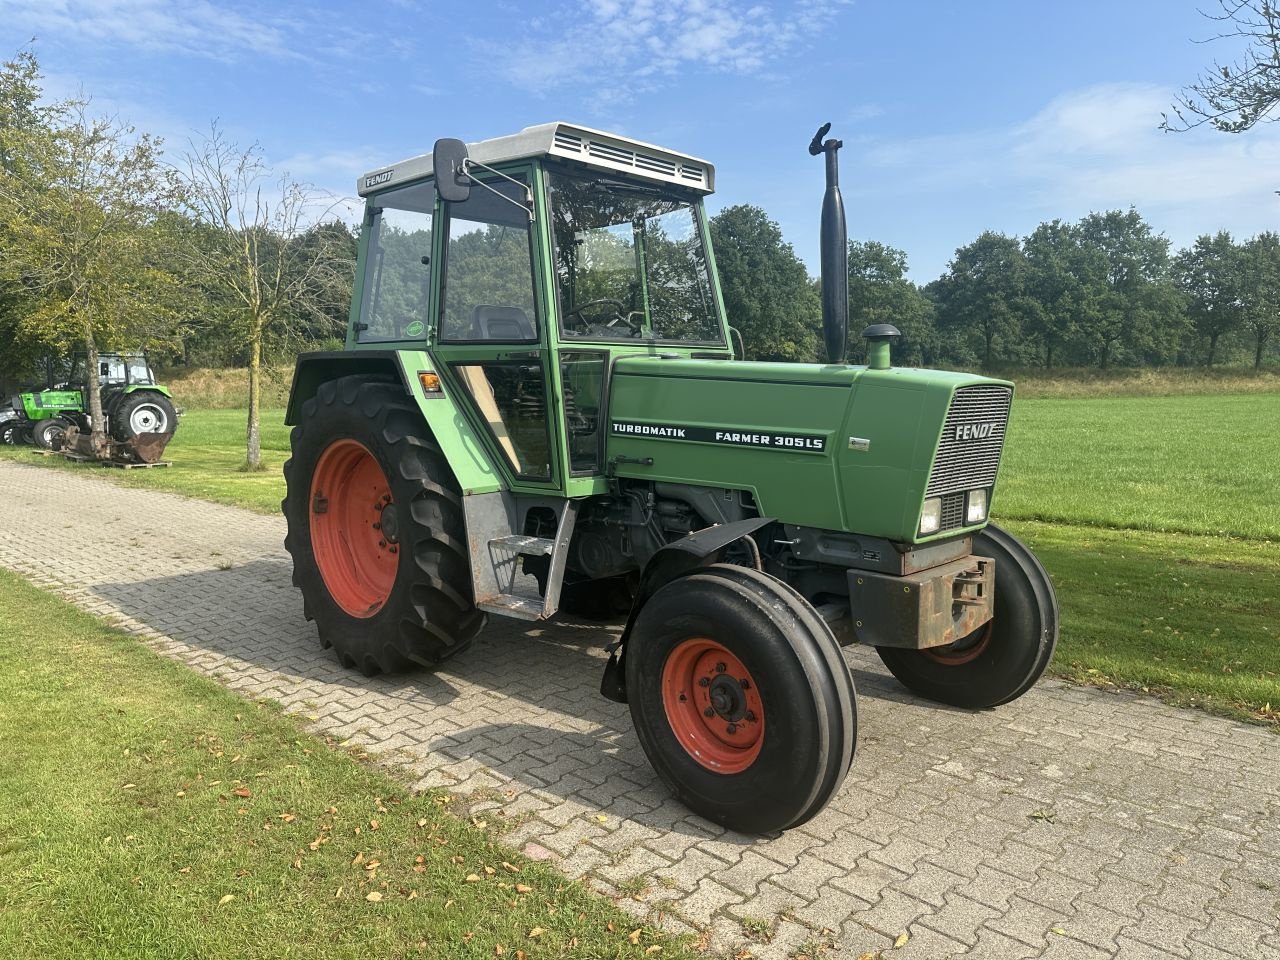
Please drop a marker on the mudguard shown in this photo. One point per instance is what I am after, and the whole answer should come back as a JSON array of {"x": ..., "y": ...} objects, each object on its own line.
[
  {"x": 698, "y": 549},
  {"x": 462, "y": 447}
]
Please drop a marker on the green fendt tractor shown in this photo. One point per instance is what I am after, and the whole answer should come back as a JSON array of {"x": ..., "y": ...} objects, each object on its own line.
[
  {"x": 132, "y": 402},
  {"x": 539, "y": 400}
]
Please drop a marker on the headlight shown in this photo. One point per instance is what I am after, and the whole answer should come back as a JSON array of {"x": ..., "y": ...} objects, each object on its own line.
[
  {"x": 931, "y": 516},
  {"x": 976, "y": 512}
]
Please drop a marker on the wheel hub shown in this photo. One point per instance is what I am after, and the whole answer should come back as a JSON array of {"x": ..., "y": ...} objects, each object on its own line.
[
  {"x": 389, "y": 521},
  {"x": 713, "y": 706},
  {"x": 727, "y": 698}
]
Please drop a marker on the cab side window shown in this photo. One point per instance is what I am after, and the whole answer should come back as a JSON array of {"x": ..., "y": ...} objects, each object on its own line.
[{"x": 488, "y": 281}]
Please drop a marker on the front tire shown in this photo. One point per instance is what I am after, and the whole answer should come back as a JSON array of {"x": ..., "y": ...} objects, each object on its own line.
[
  {"x": 741, "y": 699},
  {"x": 50, "y": 434},
  {"x": 1001, "y": 660},
  {"x": 376, "y": 530},
  {"x": 10, "y": 433}
]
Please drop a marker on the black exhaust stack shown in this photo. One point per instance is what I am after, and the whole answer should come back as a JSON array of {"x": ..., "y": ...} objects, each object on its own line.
[{"x": 835, "y": 254}]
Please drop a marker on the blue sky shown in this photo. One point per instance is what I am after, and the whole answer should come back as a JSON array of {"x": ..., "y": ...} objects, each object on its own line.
[{"x": 956, "y": 117}]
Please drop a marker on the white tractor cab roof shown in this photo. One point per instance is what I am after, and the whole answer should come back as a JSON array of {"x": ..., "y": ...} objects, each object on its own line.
[{"x": 594, "y": 148}]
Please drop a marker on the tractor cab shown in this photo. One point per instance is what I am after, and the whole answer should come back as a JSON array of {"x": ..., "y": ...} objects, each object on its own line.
[
  {"x": 524, "y": 275},
  {"x": 114, "y": 369}
]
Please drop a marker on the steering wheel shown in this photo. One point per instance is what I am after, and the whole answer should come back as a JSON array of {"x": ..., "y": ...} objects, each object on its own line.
[{"x": 620, "y": 311}]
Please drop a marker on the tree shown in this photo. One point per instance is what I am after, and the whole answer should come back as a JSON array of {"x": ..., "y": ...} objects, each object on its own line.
[
  {"x": 879, "y": 292},
  {"x": 767, "y": 291},
  {"x": 1064, "y": 284},
  {"x": 1209, "y": 272},
  {"x": 982, "y": 294},
  {"x": 1234, "y": 97},
  {"x": 1139, "y": 309},
  {"x": 81, "y": 200},
  {"x": 1260, "y": 305},
  {"x": 261, "y": 255}
]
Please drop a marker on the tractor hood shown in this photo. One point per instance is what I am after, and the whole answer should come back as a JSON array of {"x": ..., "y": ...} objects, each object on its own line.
[{"x": 830, "y": 446}]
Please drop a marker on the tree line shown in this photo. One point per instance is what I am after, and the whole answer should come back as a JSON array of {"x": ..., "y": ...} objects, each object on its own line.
[{"x": 1104, "y": 291}]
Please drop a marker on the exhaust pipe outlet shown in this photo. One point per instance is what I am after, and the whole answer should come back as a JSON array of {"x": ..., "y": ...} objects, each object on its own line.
[
  {"x": 835, "y": 253},
  {"x": 879, "y": 337}
]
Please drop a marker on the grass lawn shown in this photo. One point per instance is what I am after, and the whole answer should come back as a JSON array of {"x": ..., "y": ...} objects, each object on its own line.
[
  {"x": 149, "y": 812},
  {"x": 1192, "y": 619},
  {"x": 1206, "y": 464}
]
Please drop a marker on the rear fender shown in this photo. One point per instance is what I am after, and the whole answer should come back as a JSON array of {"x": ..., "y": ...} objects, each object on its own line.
[
  {"x": 471, "y": 465},
  {"x": 675, "y": 560},
  {"x": 155, "y": 387}
]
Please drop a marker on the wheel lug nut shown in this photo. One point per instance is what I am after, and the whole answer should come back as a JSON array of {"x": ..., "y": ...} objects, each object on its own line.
[
  {"x": 732, "y": 728},
  {"x": 382, "y": 543},
  {"x": 377, "y": 526},
  {"x": 683, "y": 698},
  {"x": 709, "y": 712},
  {"x": 745, "y": 683},
  {"x": 704, "y": 682},
  {"x": 721, "y": 668},
  {"x": 750, "y": 716}
]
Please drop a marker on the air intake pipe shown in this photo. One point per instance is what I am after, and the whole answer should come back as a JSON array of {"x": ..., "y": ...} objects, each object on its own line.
[{"x": 835, "y": 253}]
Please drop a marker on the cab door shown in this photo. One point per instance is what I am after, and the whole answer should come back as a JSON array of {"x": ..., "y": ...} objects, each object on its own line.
[{"x": 490, "y": 332}]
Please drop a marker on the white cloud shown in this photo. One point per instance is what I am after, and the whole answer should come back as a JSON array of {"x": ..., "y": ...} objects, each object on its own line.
[
  {"x": 617, "y": 50},
  {"x": 1093, "y": 149},
  {"x": 193, "y": 27}
]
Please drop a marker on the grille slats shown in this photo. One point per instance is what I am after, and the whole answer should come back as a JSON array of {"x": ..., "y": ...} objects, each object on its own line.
[{"x": 971, "y": 459}]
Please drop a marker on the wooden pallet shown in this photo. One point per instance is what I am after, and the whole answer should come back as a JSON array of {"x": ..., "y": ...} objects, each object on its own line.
[{"x": 119, "y": 464}]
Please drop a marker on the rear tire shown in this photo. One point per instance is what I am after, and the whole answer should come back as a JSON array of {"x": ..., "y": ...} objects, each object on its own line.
[
  {"x": 783, "y": 724},
  {"x": 50, "y": 434},
  {"x": 1004, "y": 658},
  {"x": 380, "y": 609},
  {"x": 143, "y": 411}
]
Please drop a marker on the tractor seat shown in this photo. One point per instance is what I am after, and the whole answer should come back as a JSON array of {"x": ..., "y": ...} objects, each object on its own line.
[{"x": 490, "y": 322}]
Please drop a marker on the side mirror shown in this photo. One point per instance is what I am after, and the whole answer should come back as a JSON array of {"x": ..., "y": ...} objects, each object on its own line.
[{"x": 447, "y": 160}]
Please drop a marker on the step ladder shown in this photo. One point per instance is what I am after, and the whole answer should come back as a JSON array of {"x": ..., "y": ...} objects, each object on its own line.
[{"x": 496, "y": 553}]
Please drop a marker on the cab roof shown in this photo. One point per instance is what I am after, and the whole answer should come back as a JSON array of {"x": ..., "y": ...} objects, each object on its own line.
[{"x": 595, "y": 148}]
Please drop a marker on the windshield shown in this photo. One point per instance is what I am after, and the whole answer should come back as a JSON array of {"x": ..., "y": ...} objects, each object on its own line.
[{"x": 630, "y": 262}]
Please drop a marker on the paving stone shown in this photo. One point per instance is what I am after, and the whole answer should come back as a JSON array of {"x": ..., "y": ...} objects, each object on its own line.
[
  {"x": 961, "y": 918},
  {"x": 1163, "y": 844},
  {"x": 1235, "y": 935},
  {"x": 993, "y": 945},
  {"x": 1027, "y": 921},
  {"x": 1165, "y": 929}
]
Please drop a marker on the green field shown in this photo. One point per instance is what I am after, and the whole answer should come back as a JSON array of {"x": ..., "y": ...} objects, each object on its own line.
[
  {"x": 149, "y": 812},
  {"x": 1195, "y": 464},
  {"x": 1156, "y": 516}
]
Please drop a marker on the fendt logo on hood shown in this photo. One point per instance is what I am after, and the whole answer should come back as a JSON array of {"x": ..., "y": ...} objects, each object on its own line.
[{"x": 974, "y": 431}]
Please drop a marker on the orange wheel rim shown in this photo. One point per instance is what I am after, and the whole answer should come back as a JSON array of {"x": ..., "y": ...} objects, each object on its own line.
[
  {"x": 951, "y": 657},
  {"x": 353, "y": 528},
  {"x": 713, "y": 705}
]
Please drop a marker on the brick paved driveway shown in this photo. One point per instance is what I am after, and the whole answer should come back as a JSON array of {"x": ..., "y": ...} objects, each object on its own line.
[{"x": 1073, "y": 823}]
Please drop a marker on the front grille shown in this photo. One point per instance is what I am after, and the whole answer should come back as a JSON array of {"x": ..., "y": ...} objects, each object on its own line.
[
  {"x": 968, "y": 455},
  {"x": 952, "y": 511}
]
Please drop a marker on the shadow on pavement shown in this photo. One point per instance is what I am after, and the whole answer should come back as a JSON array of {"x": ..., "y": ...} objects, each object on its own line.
[{"x": 523, "y": 700}]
